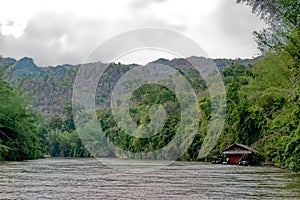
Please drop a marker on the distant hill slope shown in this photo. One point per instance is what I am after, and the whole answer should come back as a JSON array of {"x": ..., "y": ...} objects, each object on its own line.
[{"x": 51, "y": 87}]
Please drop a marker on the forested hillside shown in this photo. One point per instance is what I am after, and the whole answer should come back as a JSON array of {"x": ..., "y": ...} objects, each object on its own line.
[
  {"x": 49, "y": 93},
  {"x": 263, "y": 101},
  {"x": 51, "y": 87},
  {"x": 261, "y": 110}
]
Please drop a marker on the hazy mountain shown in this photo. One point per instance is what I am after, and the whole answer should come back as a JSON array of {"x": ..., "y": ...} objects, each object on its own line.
[{"x": 51, "y": 87}]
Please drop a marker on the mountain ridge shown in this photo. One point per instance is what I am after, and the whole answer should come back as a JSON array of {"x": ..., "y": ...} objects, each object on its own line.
[{"x": 52, "y": 86}]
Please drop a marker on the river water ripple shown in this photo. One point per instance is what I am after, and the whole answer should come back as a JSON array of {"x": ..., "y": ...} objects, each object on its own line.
[{"x": 58, "y": 178}]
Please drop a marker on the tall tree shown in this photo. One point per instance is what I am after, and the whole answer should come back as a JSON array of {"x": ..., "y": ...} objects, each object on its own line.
[
  {"x": 279, "y": 102},
  {"x": 18, "y": 125},
  {"x": 283, "y": 18}
]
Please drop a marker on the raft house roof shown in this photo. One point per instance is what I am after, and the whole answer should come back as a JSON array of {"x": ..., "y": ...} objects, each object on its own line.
[{"x": 238, "y": 149}]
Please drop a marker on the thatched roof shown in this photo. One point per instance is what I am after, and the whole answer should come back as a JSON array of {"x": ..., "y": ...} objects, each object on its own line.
[{"x": 238, "y": 149}]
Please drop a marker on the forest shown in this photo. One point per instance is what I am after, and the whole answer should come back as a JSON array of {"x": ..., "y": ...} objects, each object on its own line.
[{"x": 263, "y": 105}]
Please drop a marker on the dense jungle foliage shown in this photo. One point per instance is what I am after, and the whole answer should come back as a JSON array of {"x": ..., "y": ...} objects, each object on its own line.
[
  {"x": 263, "y": 104},
  {"x": 18, "y": 125}
]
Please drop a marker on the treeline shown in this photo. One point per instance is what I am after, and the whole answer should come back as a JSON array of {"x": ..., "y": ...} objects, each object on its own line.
[
  {"x": 18, "y": 125},
  {"x": 25, "y": 134},
  {"x": 276, "y": 82},
  {"x": 263, "y": 111},
  {"x": 59, "y": 136},
  {"x": 263, "y": 106},
  {"x": 263, "y": 102}
]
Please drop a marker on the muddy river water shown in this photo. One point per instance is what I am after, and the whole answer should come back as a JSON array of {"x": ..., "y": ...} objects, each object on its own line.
[{"x": 58, "y": 178}]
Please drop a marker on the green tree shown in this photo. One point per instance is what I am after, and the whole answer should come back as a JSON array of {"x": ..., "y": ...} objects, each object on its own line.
[
  {"x": 284, "y": 20},
  {"x": 18, "y": 125},
  {"x": 69, "y": 121},
  {"x": 277, "y": 91}
]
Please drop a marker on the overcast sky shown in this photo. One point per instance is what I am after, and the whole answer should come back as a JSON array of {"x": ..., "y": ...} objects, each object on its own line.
[{"x": 57, "y": 32}]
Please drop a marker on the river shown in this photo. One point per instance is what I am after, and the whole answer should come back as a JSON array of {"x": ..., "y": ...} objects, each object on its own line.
[{"x": 58, "y": 178}]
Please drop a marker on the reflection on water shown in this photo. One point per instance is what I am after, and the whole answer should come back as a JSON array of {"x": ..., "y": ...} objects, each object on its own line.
[{"x": 89, "y": 179}]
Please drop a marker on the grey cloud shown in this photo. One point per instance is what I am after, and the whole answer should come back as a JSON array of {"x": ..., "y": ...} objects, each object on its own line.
[
  {"x": 53, "y": 39},
  {"x": 58, "y": 38},
  {"x": 235, "y": 20},
  {"x": 138, "y": 4},
  {"x": 10, "y": 23},
  {"x": 148, "y": 37},
  {"x": 233, "y": 25},
  {"x": 160, "y": 24}
]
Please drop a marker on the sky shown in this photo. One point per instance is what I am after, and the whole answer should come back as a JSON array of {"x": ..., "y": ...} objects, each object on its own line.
[{"x": 60, "y": 32}]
